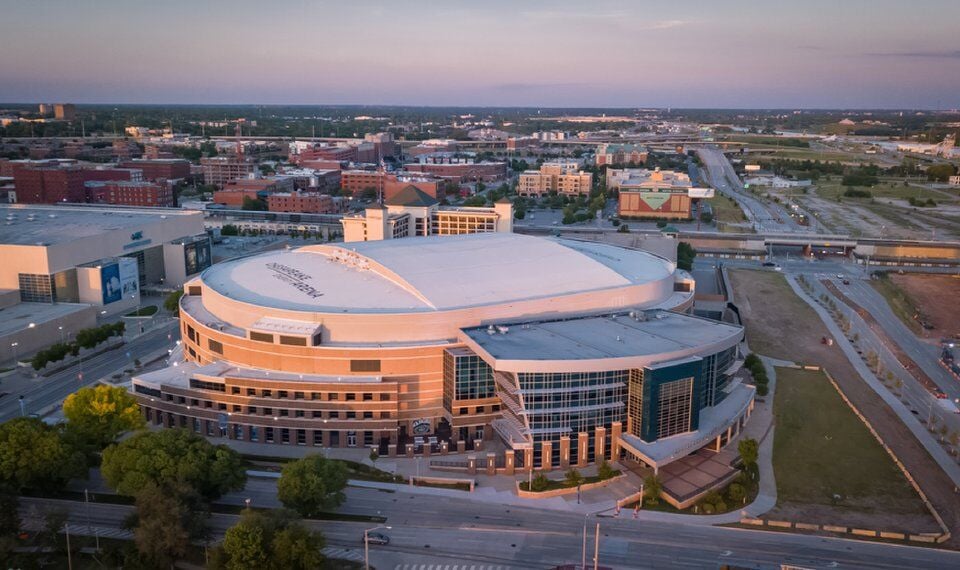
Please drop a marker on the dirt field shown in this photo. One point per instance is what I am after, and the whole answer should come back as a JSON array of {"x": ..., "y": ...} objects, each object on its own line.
[
  {"x": 936, "y": 296},
  {"x": 781, "y": 325}
]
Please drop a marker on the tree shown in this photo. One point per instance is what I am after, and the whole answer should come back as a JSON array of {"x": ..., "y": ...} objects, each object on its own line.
[
  {"x": 940, "y": 172},
  {"x": 685, "y": 255},
  {"x": 749, "y": 451},
  {"x": 573, "y": 478},
  {"x": 267, "y": 542},
  {"x": 652, "y": 487},
  {"x": 254, "y": 204},
  {"x": 172, "y": 302},
  {"x": 165, "y": 523},
  {"x": 33, "y": 454},
  {"x": 172, "y": 456},
  {"x": 706, "y": 217},
  {"x": 605, "y": 471},
  {"x": 312, "y": 484},
  {"x": 101, "y": 413}
]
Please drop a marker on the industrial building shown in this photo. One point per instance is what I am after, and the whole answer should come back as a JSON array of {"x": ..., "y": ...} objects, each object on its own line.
[{"x": 655, "y": 194}]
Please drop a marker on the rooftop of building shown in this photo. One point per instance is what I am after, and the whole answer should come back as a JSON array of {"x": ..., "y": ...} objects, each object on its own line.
[
  {"x": 431, "y": 273},
  {"x": 648, "y": 333},
  {"x": 411, "y": 196},
  {"x": 48, "y": 225}
]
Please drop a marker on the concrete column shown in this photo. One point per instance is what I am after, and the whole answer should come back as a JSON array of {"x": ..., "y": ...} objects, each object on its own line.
[
  {"x": 461, "y": 446},
  {"x": 427, "y": 450},
  {"x": 546, "y": 456},
  {"x": 528, "y": 459},
  {"x": 508, "y": 462},
  {"x": 583, "y": 444},
  {"x": 444, "y": 448},
  {"x": 616, "y": 430},
  {"x": 472, "y": 464},
  {"x": 599, "y": 443},
  {"x": 478, "y": 445},
  {"x": 564, "y": 452},
  {"x": 491, "y": 463},
  {"x": 391, "y": 450},
  {"x": 409, "y": 450},
  {"x": 718, "y": 443}
]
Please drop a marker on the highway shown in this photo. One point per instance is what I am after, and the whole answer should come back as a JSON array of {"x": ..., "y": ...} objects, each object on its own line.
[
  {"x": 720, "y": 174},
  {"x": 51, "y": 390},
  {"x": 438, "y": 529}
]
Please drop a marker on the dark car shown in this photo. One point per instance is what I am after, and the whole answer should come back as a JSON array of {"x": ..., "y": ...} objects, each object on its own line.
[
  {"x": 376, "y": 538},
  {"x": 769, "y": 264}
]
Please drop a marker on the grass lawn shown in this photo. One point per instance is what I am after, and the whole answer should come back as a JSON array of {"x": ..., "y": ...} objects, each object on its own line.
[
  {"x": 554, "y": 484},
  {"x": 147, "y": 311},
  {"x": 821, "y": 448},
  {"x": 900, "y": 303},
  {"x": 355, "y": 470},
  {"x": 771, "y": 308},
  {"x": 727, "y": 211}
]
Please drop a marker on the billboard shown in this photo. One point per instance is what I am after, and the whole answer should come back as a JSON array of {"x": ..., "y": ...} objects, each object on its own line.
[
  {"x": 196, "y": 256},
  {"x": 110, "y": 283},
  {"x": 129, "y": 277}
]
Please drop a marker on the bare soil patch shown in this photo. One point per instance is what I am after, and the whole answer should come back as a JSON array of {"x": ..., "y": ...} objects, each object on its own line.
[{"x": 937, "y": 297}]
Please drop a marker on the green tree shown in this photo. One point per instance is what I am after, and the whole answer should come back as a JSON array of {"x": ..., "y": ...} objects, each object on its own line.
[
  {"x": 100, "y": 414},
  {"x": 539, "y": 483},
  {"x": 685, "y": 255},
  {"x": 172, "y": 302},
  {"x": 652, "y": 487},
  {"x": 254, "y": 204},
  {"x": 312, "y": 484},
  {"x": 573, "y": 478},
  {"x": 940, "y": 172},
  {"x": 749, "y": 451},
  {"x": 271, "y": 541},
  {"x": 33, "y": 454},
  {"x": 605, "y": 471},
  {"x": 172, "y": 456}
]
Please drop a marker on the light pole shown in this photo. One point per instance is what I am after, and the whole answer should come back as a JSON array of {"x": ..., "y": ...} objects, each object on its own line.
[
  {"x": 60, "y": 328},
  {"x": 366, "y": 544},
  {"x": 16, "y": 356}
]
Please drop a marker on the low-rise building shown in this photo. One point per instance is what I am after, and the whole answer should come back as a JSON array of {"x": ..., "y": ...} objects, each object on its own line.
[
  {"x": 655, "y": 194},
  {"x": 126, "y": 193},
  {"x": 356, "y": 182},
  {"x": 154, "y": 168},
  {"x": 955, "y": 180},
  {"x": 560, "y": 177},
  {"x": 303, "y": 202},
  {"x": 621, "y": 154},
  {"x": 218, "y": 170},
  {"x": 412, "y": 212}
]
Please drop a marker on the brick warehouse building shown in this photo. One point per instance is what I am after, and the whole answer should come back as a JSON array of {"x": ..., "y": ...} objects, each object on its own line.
[{"x": 566, "y": 351}]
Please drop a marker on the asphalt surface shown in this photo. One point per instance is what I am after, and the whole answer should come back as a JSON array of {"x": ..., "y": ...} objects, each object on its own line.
[
  {"x": 435, "y": 529},
  {"x": 50, "y": 391}
]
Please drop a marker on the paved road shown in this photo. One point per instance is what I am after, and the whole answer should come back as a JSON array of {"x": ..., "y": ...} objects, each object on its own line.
[
  {"x": 719, "y": 172},
  {"x": 428, "y": 529},
  {"x": 51, "y": 390}
]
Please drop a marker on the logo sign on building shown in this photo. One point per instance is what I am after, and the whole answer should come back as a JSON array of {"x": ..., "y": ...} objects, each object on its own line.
[
  {"x": 136, "y": 236},
  {"x": 129, "y": 277},
  {"x": 422, "y": 426},
  {"x": 196, "y": 256}
]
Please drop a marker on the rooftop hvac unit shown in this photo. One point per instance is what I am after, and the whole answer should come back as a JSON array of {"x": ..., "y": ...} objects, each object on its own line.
[
  {"x": 502, "y": 329},
  {"x": 491, "y": 330}
]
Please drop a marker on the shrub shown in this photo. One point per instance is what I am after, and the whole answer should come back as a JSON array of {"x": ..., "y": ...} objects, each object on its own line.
[
  {"x": 604, "y": 471},
  {"x": 707, "y": 509},
  {"x": 751, "y": 360},
  {"x": 736, "y": 492},
  {"x": 540, "y": 483},
  {"x": 762, "y": 390},
  {"x": 720, "y": 506}
]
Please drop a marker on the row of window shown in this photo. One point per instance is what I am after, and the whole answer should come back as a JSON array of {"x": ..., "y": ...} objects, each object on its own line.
[{"x": 268, "y": 411}]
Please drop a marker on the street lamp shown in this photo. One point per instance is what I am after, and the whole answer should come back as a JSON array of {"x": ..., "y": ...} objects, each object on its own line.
[
  {"x": 14, "y": 346},
  {"x": 366, "y": 544},
  {"x": 60, "y": 328}
]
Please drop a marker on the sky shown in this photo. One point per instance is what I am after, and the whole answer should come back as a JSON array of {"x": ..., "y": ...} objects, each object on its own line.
[{"x": 696, "y": 53}]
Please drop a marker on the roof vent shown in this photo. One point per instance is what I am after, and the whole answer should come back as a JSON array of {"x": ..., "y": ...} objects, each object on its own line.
[
  {"x": 491, "y": 330},
  {"x": 502, "y": 329}
]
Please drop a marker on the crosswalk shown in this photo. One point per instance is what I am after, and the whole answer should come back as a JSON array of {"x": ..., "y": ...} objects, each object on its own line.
[
  {"x": 354, "y": 554},
  {"x": 450, "y": 567}
]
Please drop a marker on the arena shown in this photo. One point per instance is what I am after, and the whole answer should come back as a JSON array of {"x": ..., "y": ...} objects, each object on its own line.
[{"x": 556, "y": 350}]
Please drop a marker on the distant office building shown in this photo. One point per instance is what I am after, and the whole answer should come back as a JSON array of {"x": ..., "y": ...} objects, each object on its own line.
[
  {"x": 560, "y": 177},
  {"x": 347, "y": 153},
  {"x": 154, "y": 168},
  {"x": 412, "y": 212},
  {"x": 218, "y": 170},
  {"x": 655, "y": 194},
  {"x": 125, "y": 193},
  {"x": 383, "y": 145},
  {"x": 301, "y": 202},
  {"x": 65, "y": 111},
  {"x": 621, "y": 154},
  {"x": 311, "y": 178},
  {"x": 46, "y": 110}
]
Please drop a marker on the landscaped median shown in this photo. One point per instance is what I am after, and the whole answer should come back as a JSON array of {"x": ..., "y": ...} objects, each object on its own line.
[{"x": 573, "y": 481}]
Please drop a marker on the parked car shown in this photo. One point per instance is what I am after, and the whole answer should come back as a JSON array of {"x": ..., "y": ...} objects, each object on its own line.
[{"x": 376, "y": 538}]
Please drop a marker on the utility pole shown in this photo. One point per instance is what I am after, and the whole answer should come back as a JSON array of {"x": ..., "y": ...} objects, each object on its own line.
[
  {"x": 583, "y": 551},
  {"x": 66, "y": 529}
]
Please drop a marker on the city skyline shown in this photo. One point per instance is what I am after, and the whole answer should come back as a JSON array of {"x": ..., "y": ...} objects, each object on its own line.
[{"x": 612, "y": 54}]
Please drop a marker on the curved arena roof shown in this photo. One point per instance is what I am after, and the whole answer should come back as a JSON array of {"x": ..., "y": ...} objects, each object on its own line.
[{"x": 434, "y": 273}]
